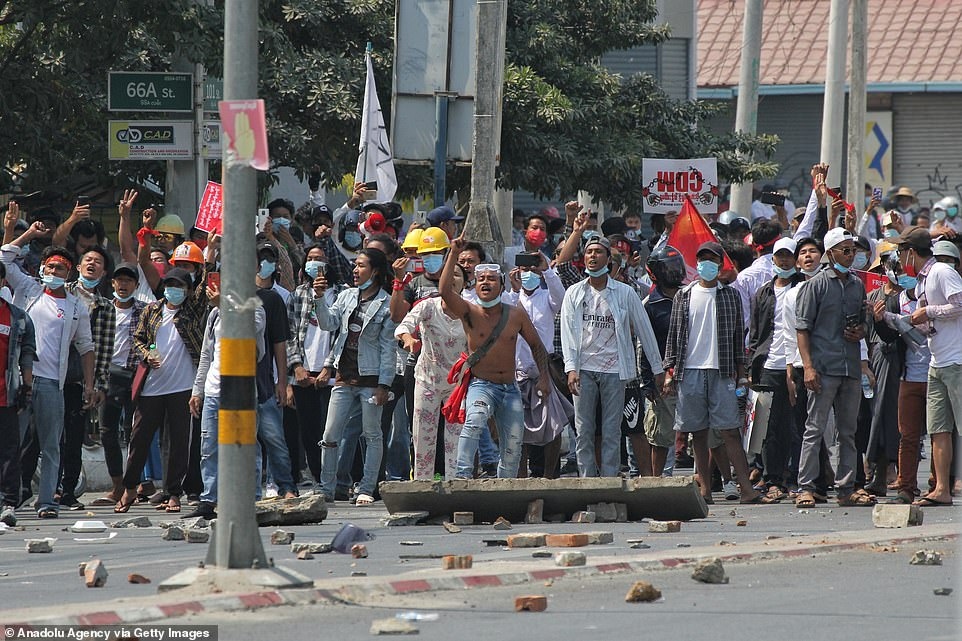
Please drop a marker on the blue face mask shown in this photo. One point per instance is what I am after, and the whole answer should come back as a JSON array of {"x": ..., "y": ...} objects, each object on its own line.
[
  {"x": 175, "y": 295},
  {"x": 352, "y": 239},
  {"x": 52, "y": 282},
  {"x": 595, "y": 273},
  {"x": 785, "y": 273},
  {"x": 907, "y": 282},
  {"x": 366, "y": 284},
  {"x": 267, "y": 268},
  {"x": 707, "y": 270},
  {"x": 88, "y": 282},
  {"x": 841, "y": 269},
  {"x": 122, "y": 299},
  {"x": 433, "y": 263},
  {"x": 278, "y": 223},
  {"x": 490, "y": 303},
  {"x": 891, "y": 233},
  {"x": 530, "y": 280},
  {"x": 313, "y": 267},
  {"x": 861, "y": 260},
  {"x": 952, "y": 211}
]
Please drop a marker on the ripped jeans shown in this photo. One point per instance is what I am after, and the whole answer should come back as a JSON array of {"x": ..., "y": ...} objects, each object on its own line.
[{"x": 503, "y": 402}]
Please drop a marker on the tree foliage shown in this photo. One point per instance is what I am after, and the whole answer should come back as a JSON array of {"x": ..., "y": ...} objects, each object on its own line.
[{"x": 568, "y": 123}]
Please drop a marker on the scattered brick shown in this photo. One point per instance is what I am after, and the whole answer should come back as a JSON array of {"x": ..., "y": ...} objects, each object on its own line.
[
  {"x": 926, "y": 557},
  {"x": 527, "y": 540},
  {"x": 451, "y": 527},
  {"x": 457, "y": 562},
  {"x": 741, "y": 523},
  {"x": 894, "y": 516},
  {"x": 501, "y": 523},
  {"x": 710, "y": 571},
  {"x": 94, "y": 573},
  {"x": 566, "y": 540},
  {"x": 604, "y": 512},
  {"x": 570, "y": 559},
  {"x": 40, "y": 546},
  {"x": 600, "y": 538},
  {"x": 463, "y": 518},
  {"x": 530, "y": 603},
  {"x": 173, "y": 533},
  {"x": 282, "y": 537},
  {"x": 621, "y": 513},
  {"x": 664, "y": 526},
  {"x": 583, "y": 517},
  {"x": 304, "y": 555},
  {"x": 642, "y": 592},
  {"x": 194, "y": 535},
  {"x": 137, "y": 579},
  {"x": 535, "y": 513}
]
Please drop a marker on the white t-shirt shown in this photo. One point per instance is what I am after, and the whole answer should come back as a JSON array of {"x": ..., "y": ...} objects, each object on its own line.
[
  {"x": 789, "y": 323},
  {"x": 176, "y": 372},
  {"x": 702, "y": 329},
  {"x": 122, "y": 342},
  {"x": 143, "y": 293},
  {"x": 600, "y": 350},
  {"x": 941, "y": 283},
  {"x": 49, "y": 320},
  {"x": 776, "y": 354},
  {"x": 317, "y": 342}
]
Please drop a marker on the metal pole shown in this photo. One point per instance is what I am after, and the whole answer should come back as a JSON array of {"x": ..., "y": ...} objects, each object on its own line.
[
  {"x": 833, "y": 111},
  {"x": 482, "y": 224},
  {"x": 440, "y": 146},
  {"x": 237, "y": 543},
  {"x": 200, "y": 145},
  {"x": 746, "y": 113},
  {"x": 857, "y": 101}
]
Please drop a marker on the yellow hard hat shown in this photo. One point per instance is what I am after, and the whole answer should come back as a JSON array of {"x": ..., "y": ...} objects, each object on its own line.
[
  {"x": 171, "y": 224},
  {"x": 413, "y": 238},
  {"x": 881, "y": 248},
  {"x": 434, "y": 239}
]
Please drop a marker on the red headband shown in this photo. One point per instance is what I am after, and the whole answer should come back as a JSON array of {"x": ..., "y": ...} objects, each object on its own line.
[{"x": 59, "y": 259}]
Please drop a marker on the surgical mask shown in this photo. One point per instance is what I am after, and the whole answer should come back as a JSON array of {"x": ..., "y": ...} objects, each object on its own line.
[
  {"x": 595, "y": 273},
  {"x": 278, "y": 223},
  {"x": 89, "y": 283},
  {"x": 952, "y": 211},
  {"x": 490, "y": 303},
  {"x": 433, "y": 263},
  {"x": 810, "y": 272},
  {"x": 905, "y": 209},
  {"x": 892, "y": 277},
  {"x": 785, "y": 273},
  {"x": 267, "y": 268},
  {"x": 352, "y": 238},
  {"x": 175, "y": 295},
  {"x": 841, "y": 269},
  {"x": 861, "y": 260},
  {"x": 938, "y": 214},
  {"x": 122, "y": 299},
  {"x": 313, "y": 267},
  {"x": 907, "y": 282},
  {"x": 52, "y": 282},
  {"x": 530, "y": 280},
  {"x": 707, "y": 270},
  {"x": 536, "y": 237},
  {"x": 366, "y": 284},
  {"x": 891, "y": 233}
]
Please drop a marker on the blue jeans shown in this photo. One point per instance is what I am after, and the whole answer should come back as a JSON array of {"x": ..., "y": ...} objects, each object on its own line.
[
  {"x": 47, "y": 409},
  {"x": 348, "y": 444},
  {"x": 209, "y": 422},
  {"x": 502, "y": 401},
  {"x": 270, "y": 430},
  {"x": 154, "y": 468},
  {"x": 608, "y": 390},
  {"x": 398, "y": 466},
  {"x": 487, "y": 450},
  {"x": 344, "y": 401}
]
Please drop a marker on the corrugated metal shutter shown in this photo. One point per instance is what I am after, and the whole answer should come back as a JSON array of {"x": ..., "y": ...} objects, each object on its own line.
[
  {"x": 631, "y": 61},
  {"x": 925, "y": 150},
  {"x": 673, "y": 68}
]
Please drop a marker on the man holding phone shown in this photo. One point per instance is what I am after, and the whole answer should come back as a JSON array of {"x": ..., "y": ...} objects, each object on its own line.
[{"x": 830, "y": 323}]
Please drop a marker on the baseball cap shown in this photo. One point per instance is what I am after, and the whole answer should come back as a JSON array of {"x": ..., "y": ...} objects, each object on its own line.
[
  {"x": 127, "y": 269},
  {"x": 599, "y": 240},
  {"x": 946, "y": 248},
  {"x": 786, "y": 244},
  {"x": 837, "y": 236},
  {"x": 442, "y": 214},
  {"x": 177, "y": 274},
  {"x": 711, "y": 247},
  {"x": 915, "y": 237},
  {"x": 268, "y": 247}
]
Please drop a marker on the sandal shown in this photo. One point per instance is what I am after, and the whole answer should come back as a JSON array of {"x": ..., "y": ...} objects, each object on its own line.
[
  {"x": 173, "y": 505},
  {"x": 758, "y": 499},
  {"x": 122, "y": 506},
  {"x": 776, "y": 494},
  {"x": 857, "y": 499},
  {"x": 47, "y": 513},
  {"x": 363, "y": 500},
  {"x": 805, "y": 500}
]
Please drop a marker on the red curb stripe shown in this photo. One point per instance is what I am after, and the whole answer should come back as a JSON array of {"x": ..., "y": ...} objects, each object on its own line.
[
  {"x": 614, "y": 567},
  {"x": 546, "y": 574},
  {"x": 671, "y": 563},
  {"x": 796, "y": 552},
  {"x": 400, "y": 587},
  {"x": 261, "y": 599},
  {"x": 482, "y": 580},
  {"x": 99, "y": 618},
  {"x": 180, "y": 609}
]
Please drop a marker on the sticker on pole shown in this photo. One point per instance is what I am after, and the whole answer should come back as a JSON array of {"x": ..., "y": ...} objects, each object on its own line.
[
  {"x": 210, "y": 214},
  {"x": 245, "y": 133},
  {"x": 666, "y": 183}
]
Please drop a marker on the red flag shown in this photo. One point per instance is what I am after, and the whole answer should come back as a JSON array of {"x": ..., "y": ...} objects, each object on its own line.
[{"x": 689, "y": 232}]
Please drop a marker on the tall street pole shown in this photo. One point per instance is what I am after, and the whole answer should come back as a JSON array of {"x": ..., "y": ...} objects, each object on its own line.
[
  {"x": 857, "y": 102},
  {"x": 833, "y": 110},
  {"x": 746, "y": 113}
]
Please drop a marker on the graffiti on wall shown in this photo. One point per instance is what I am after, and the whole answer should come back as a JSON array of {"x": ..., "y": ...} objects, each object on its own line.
[{"x": 939, "y": 186}]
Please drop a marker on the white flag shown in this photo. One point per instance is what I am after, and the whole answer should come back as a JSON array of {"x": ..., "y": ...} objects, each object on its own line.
[{"x": 374, "y": 160}]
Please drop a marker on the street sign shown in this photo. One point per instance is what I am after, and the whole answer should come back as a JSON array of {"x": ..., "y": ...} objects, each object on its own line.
[
  {"x": 212, "y": 140},
  {"x": 150, "y": 91},
  {"x": 150, "y": 139},
  {"x": 213, "y": 93}
]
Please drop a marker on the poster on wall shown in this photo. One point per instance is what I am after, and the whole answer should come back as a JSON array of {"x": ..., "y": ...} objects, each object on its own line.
[
  {"x": 665, "y": 183},
  {"x": 877, "y": 146}
]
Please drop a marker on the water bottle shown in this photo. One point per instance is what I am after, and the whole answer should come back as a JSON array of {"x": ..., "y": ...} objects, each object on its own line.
[
  {"x": 867, "y": 390},
  {"x": 742, "y": 390},
  {"x": 390, "y": 397},
  {"x": 153, "y": 353}
]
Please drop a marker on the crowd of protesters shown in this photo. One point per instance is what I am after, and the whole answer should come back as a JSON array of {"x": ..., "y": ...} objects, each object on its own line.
[{"x": 393, "y": 351}]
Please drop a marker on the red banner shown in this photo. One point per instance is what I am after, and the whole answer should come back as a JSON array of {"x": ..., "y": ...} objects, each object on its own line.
[
  {"x": 211, "y": 211},
  {"x": 689, "y": 232},
  {"x": 871, "y": 280}
]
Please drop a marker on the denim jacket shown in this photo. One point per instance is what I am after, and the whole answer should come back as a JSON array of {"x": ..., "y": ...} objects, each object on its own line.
[
  {"x": 376, "y": 351},
  {"x": 625, "y": 305},
  {"x": 21, "y": 353}
]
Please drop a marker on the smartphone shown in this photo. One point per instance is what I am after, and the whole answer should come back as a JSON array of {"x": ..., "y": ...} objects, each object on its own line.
[
  {"x": 83, "y": 200},
  {"x": 415, "y": 266},
  {"x": 771, "y": 198},
  {"x": 852, "y": 320},
  {"x": 838, "y": 190},
  {"x": 370, "y": 190},
  {"x": 877, "y": 194},
  {"x": 527, "y": 260},
  {"x": 213, "y": 279},
  {"x": 262, "y": 216}
]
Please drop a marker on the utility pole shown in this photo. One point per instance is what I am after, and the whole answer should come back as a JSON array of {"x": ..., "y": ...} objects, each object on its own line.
[
  {"x": 833, "y": 110},
  {"x": 746, "y": 113},
  {"x": 857, "y": 101},
  {"x": 482, "y": 223}
]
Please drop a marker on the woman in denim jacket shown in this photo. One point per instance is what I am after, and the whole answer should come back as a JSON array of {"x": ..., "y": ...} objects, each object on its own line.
[{"x": 363, "y": 356}]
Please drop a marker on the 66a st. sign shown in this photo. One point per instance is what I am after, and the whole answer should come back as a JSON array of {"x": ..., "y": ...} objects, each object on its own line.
[{"x": 666, "y": 183}]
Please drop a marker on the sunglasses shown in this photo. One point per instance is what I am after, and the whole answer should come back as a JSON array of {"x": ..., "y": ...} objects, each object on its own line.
[{"x": 846, "y": 251}]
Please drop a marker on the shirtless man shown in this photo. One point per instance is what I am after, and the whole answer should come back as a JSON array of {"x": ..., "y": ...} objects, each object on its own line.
[{"x": 493, "y": 391}]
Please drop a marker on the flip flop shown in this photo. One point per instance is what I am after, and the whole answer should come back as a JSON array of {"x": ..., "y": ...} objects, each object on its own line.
[
  {"x": 760, "y": 499},
  {"x": 927, "y": 502},
  {"x": 122, "y": 507},
  {"x": 363, "y": 500}
]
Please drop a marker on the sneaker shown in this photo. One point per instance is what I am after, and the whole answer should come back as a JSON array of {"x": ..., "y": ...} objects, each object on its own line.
[
  {"x": 731, "y": 491},
  {"x": 70, "y": 502},
  {"x": 569, "y": 468},
  {"x": 8, "y": 516},
  {"x": 489, "y": 471},
  {"x": 193, "y": 500},
  {"x": 270, "y": 491}
]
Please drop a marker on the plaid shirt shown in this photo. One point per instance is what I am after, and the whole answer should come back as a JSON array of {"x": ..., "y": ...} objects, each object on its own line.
[
  {"x": 133, "y": 356},
  {"x": 340, "y": 270},
  {"x": 731, "y": 332},
  {"x": 102, "y": 322},
  {"x": 299, "y": 310},
  {"x": 189, "y": 321}
]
